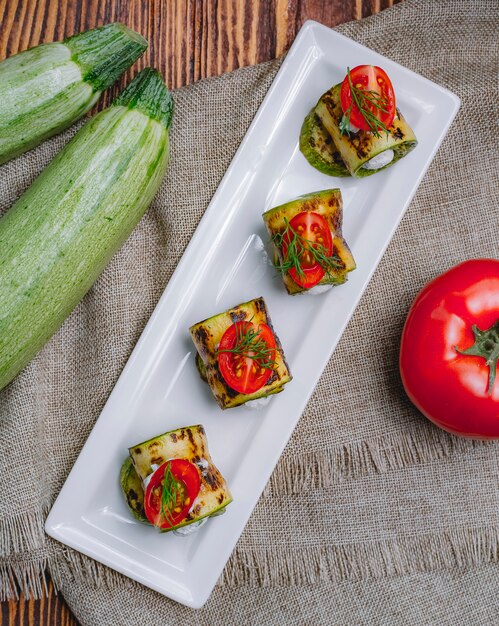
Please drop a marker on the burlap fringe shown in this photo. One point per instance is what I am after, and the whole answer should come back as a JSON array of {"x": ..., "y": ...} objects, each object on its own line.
[
  {"x": 72, "y": 566},
  {"x": 461, "y": 548},
  {"x": 29, "y": 579},
  {"x": 293, "y": 475},
  {"x": 296, "y": 474},
  {"x": 23, "y": 532}
]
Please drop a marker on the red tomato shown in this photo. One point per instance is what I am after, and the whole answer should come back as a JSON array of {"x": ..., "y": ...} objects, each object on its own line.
[
  {"x": 184, "y": 476},
  {"x": 313, "y": 229},
  {"x": 374, "y": 79},
  {"x": 238, "y": 358},
  {"x": 456, "y": 391}
]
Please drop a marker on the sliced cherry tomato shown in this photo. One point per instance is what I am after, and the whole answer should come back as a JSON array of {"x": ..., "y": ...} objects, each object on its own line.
[
  {"x": 450, "y": 349},
  {"x": 182, "y": 482},
  {"x": 373, "y": 79},
  {"x": 313, "y": 229},
  {"x": 244, "y": 371}
]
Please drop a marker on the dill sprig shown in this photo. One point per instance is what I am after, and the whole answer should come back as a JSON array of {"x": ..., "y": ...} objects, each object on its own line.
[
  {"x": 251, "y": 345},
  {"x": 298, "y": 247},
  {"x": 367, "y": 102},
  {"x": 169, "y": 496}
]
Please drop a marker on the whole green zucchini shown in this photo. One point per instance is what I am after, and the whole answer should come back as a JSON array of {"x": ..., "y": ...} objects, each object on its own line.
[
  {"x": 61, "y": 233},
  {"x": 46, "y": 89}
]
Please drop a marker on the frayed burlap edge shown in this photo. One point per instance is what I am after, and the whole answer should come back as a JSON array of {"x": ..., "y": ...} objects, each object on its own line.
[
  {"x": 23, "y": 531},
  {"x": 458, "y": 548},
  {"x": 292, "y": 476},
  {"x": 320, "y": 470}
]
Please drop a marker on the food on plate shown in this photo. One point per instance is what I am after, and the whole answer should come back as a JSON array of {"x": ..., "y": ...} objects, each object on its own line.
[
  {"x": 240, "y": 356},
  {"x": 367, "y": 131},
  {"x": 311, "y": 254},
  {"x": 318, "y": 148},
  {"x": 61, "y": 233},
  {"x": 450, "y": 348},
  {"x": 46, "y": 89},
  {"x": 132, "y": 489},
  {"x": 170, "y": 481}
]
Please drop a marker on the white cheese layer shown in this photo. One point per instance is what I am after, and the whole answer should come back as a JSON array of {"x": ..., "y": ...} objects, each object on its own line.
[
  {"x": 318, "y": 289},
  {"x": 380, "y": 160},
  {"x": 259, "y": 403},
  {"x": 190, "y": 528}
]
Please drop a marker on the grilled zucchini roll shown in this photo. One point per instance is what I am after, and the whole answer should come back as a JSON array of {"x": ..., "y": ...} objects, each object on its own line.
[
  {"x": 318, "y": 148},
  {"x": 239, "y": 355},
  {"x": 310, "y": 251},
  {"x": 132, "y": 489},
  {"x": 361, "y": 151},
  {"x": 171, "y": 482}
]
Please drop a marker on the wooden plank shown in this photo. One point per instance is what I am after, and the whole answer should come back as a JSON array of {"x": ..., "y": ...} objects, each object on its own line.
[
  {"x": 49, "y": 611},
  {"x": 188, "y": 40}
]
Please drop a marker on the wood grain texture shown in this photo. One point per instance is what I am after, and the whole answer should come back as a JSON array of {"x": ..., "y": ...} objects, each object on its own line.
[
  {"x": 188, "y": 40},
  {"x": 49, "y": 611}
]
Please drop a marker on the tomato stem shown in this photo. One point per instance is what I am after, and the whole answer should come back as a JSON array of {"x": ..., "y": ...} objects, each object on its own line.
[{"x": 486, "y": 346}]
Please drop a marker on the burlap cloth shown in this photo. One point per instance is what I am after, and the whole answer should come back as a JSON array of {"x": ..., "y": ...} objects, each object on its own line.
[{"x": 373, "y": 516}]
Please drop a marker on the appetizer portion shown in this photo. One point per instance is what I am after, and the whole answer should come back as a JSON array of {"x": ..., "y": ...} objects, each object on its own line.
[
  {"x": 171, "y": 482},
  {"x": 240, "y": 356},
  {"x": 367, "y": 131},
  {"x": 310, "y": 251}
]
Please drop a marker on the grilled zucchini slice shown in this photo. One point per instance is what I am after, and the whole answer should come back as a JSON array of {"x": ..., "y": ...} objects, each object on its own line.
[
  {"x": 132, "y": 489},
  {"x": 359, "y": 148},
  {"x": 188, "y": 443},
  {"x": 318, "y": 148},
  {"x": 329, "y": 205},
  {"x": 206, "y": 336}
]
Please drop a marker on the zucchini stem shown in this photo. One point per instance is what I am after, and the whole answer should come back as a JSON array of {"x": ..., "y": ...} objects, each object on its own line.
[
  {"x": 104, "y": 53},
  {"x": 148, "y": 94}
]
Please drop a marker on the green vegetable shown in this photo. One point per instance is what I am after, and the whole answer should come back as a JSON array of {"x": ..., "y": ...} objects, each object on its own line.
[
  {"x": 359, "y": 148},
  {"x": 327, "y": 203},
  {"x": 61, "y": 233},
  {"x": 188, "y": 443},
  {"x": 133, "y": 491},
  {"x": 318, "y": 148},
  {"x": 206, "y": 336},
  {"x": 46, "y": 89}
]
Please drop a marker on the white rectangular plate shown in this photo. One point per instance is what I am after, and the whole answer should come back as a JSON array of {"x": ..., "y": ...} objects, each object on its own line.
[{"x": 224, "y": 265}]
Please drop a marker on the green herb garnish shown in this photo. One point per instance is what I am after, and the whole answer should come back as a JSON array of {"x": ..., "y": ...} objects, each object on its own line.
[
  {"x": 172, "y": 490},
  {"x": 249, "y": 344},
  {"x": 299, "y": 247},
  {"x": 367, "y": 102}
]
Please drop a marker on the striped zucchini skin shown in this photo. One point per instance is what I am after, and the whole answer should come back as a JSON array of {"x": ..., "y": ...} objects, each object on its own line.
[
  {"x": 46, "y": 89},
  {"x": 61, "y": 233}
]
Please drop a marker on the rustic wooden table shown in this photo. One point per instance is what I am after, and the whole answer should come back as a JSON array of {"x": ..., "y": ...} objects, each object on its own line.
[{"x": 188, "y": 40}]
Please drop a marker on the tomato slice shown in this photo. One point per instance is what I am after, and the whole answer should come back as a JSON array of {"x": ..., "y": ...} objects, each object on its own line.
[
  {"x": 183, "y": 478},
  {"x": 244, "y": 371},
  {"x": 314, "y": 231},
  {"x": 374, "y": 79}
]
